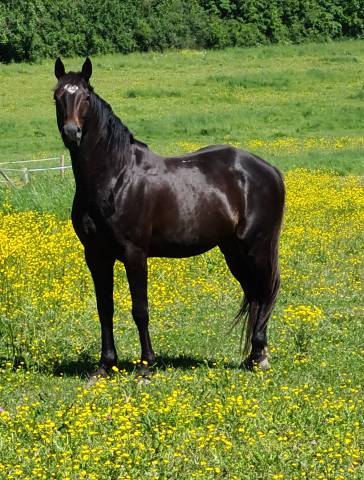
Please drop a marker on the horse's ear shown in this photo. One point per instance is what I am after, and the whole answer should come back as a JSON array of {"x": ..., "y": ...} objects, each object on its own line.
[
  {"x": 59, "y": 70},
  {"x": 87, "y": 69}
]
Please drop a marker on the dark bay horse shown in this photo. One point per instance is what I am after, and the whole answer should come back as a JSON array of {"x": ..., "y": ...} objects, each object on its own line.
[{"x": 131, "y": 204}]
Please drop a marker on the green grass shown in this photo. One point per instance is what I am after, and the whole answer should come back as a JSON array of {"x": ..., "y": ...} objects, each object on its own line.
[
  {"x": 203, "y": 97},
  {"x": 199, "y": 416}
]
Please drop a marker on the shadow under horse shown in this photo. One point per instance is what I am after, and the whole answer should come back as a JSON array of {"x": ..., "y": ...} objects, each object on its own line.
[{"x": 131, "y": 204}]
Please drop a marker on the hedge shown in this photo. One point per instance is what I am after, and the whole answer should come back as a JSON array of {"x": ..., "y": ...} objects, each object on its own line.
[{"x": 35, "y": 29}]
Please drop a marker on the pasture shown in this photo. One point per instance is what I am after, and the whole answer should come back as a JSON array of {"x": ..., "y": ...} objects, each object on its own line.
[{"x": 199, "y": 416}]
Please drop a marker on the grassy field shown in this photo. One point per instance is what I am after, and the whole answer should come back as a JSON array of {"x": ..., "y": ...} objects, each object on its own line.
[
  {"x": 299, "y": 104},
  {"x": 201, "y": 417}
]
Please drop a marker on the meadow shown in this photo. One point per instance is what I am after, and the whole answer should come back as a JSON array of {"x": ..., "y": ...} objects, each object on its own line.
[{"x": 199, "y": 416}]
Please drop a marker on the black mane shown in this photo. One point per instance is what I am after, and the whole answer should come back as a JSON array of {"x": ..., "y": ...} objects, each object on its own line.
[{"x": 117, "y": 136}]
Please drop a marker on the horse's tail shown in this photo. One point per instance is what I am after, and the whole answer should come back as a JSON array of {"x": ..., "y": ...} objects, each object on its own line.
[{"x": 242, "y": 317}]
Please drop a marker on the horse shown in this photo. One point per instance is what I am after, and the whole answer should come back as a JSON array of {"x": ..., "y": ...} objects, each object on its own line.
[{"x": 131, "y": 204}]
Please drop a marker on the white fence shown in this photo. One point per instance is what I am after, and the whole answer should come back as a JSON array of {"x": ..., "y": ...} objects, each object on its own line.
[{"x": 15, "y": 177}]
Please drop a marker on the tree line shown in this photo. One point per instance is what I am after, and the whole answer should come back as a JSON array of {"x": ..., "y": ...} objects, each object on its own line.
[{"x": 35, "y": 29}]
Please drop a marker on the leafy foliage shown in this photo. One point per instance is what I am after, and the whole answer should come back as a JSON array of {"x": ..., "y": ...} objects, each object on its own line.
[{"x": 31, "y": 30}]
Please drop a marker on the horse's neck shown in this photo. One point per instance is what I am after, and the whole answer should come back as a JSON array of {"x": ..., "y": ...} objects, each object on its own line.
[{"x": 95, "y": 167}]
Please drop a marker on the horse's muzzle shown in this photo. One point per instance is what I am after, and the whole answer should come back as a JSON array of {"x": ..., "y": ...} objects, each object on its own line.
[{"x": 72, "y": 133}]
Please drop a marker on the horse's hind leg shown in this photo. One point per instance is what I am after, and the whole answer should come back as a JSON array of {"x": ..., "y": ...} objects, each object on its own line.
[
  {"x": 264, "y": 283},
  {"x": 257, "y": 271},
  {"x": 240, "y": 267}
]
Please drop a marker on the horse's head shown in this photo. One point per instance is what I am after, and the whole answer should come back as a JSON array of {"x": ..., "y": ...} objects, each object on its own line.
[{"x": 72, "y": 97}]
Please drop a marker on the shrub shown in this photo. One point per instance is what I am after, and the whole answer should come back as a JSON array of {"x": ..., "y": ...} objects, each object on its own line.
[{"x": 34, "y": 29}]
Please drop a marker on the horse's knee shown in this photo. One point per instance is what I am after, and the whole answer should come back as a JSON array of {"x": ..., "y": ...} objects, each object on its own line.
[{"x": 140, "y": 315}]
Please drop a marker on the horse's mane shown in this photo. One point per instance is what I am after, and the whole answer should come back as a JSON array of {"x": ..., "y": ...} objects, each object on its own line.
[{"x": 117, "y": 136}]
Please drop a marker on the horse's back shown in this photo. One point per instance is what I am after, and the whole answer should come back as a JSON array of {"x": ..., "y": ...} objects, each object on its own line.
[{"x": 229, "y": 157}]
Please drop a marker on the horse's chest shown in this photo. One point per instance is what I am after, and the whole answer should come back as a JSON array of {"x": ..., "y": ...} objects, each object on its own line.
[
  {"x": 91, "y": 224},
  {"x": 88, "y": 225}
]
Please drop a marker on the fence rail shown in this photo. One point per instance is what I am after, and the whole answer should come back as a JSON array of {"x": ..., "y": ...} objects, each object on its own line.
[
  {"x": 24, "y": 173},
  {"x": 32, "y": 160}
]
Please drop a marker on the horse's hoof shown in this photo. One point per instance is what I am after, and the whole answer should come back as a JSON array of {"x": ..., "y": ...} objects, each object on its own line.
[
  {"x": 264, "y": 364},
  {"x": 247, "y": 364},
  {"x": 144, "y": 371},
  {"x": 93, "y": 377},
  {"x": 259, "y": 364},
  {"x": 144, "y": 379}
]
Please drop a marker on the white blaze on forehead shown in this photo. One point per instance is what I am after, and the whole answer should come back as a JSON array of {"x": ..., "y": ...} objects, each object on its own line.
[{"x": 70, "y": 88}]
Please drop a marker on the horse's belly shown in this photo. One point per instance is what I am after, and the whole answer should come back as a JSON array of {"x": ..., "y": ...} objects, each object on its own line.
[
  {"x": 187, "y": 241},
  {"x": 178, "y": 250}
]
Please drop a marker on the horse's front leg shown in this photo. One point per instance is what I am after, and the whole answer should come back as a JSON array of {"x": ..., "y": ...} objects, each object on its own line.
[
  {"x": 102, "y": 271},
  {"x": 137, "y": 273}
]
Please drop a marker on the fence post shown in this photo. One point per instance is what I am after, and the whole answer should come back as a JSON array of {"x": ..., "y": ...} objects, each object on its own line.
[
  {"x": 62, "y": 165},
  {"x": 25, "y": 175}
]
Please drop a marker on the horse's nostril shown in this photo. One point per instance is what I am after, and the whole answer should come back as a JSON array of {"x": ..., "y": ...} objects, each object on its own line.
[{"x": 72, "y": 132}]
